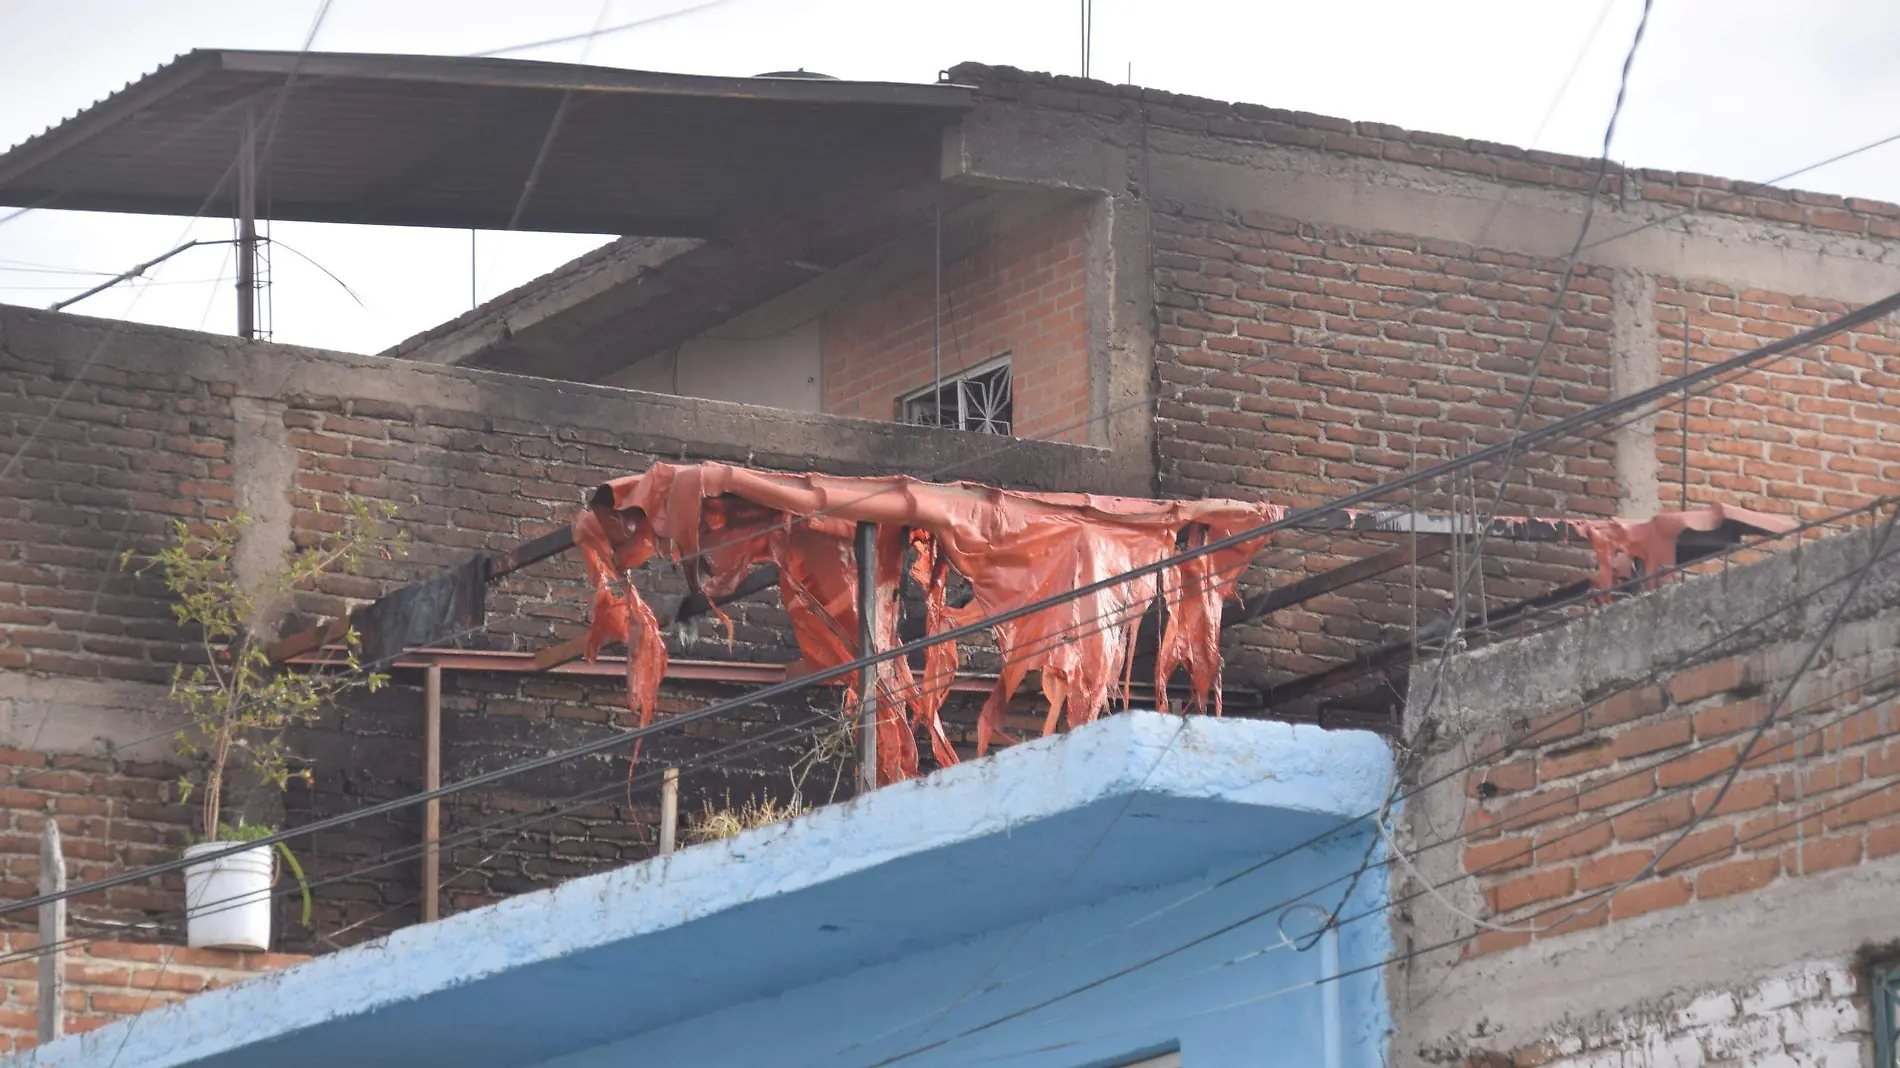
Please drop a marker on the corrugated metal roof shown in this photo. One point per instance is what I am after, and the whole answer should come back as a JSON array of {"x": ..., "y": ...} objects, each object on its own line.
[{"x": 446, "y": 141}]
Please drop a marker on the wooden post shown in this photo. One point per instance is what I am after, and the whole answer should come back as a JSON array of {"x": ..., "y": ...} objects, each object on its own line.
[
  {"x": 867, "y": 643},
  {"x": 431, "y": 779},
  {"x": 669, "y": 810},
  {"x": 52, "y": 934}
]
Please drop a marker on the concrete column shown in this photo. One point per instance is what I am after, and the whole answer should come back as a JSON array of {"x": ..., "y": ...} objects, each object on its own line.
[
  {"x": 1635, "y": 364},
  {"x": 265, "y": 468},
  {"x": 1120, "y": 312}
]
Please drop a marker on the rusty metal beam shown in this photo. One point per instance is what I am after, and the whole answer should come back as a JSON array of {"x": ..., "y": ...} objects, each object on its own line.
[
  {"x": 1419, "y": 547},
  {"x": 1235, "y": 613},
  {"x": 693, "y": 605},
  {"x": 738, "y": 672},
  {"x": 1394, "y": 653}
]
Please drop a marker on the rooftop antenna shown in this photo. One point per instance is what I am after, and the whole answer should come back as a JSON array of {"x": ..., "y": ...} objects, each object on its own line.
[{"x": 1088, "y": 20}]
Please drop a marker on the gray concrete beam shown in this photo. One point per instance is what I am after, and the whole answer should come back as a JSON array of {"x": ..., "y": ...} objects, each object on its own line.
[{"x": 1400, "y": 198}]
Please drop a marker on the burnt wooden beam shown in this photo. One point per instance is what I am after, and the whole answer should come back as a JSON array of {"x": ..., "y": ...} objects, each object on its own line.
[{"x": 422, "y": 613}]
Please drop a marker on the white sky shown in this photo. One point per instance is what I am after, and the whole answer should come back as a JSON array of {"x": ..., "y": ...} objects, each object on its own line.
[{"x": 1744, "y": 88}]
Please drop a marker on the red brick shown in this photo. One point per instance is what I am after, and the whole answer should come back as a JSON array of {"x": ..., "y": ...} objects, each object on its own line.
[
  {"x": 1615, "y": 788},
  {"x": 1705, "y": 764},
  {"x": 1647, "y": 821},
  {"x": 1698, "y": 848},
  {"x": 1736, "y": 877},
  {"x": 1574, "y": 759},
  {"x": 1566, "y": 843},
  {"x": 1568, "y": 919},
  {"x": 1651, "y": 738},
  {"x": 1610, "y": 870},
  {"x": 1705, "y": 680},
  {"x": 1530, "y": 889},
  {"x": 1497, "y": 942},
  {"x": 1504, "y": 854},
  {"x": 1824, "y": 854},
  {"x": 1542, "y": 807},
  {"x": 1625, "y": 705},
  {"x": 1648, "y": 896}
]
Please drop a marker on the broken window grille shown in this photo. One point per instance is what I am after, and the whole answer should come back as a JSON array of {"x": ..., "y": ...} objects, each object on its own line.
[
  {"x": 978, "y": 399},
  {"x": 1886, "y": 1004}
]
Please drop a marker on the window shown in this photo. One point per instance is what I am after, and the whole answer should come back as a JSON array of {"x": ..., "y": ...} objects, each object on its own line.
[
  {"x": 1886, "y": 999},
  {"x": 977, "y": 399}
]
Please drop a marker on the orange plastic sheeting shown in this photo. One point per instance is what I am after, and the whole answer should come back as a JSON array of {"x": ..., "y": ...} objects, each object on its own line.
[
  {"x": 1626, "y": 548},
  {"x": 1014, "y": 549}
]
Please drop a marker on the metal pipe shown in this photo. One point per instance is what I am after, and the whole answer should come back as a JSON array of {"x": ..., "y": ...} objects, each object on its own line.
[
  {"x": 867, "y": 643},
  {"x": 128, "y": 274},
  {"x": 669, "y": 810},
  {"x": 247, "y": 230},
  {"x": 432, "y": 778},
  {"x": 1333, "y": 1040},
  {"x": 936, "y": 321}
]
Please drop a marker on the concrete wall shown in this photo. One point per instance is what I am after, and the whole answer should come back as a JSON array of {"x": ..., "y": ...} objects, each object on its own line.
[
  {"x": 1573, "y": 760},
  {"x": 771, "y": 368},
  {"x": 164, "y": 423}
]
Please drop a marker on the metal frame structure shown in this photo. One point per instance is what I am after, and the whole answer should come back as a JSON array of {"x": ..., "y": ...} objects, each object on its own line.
[{"x": 404, "y": 628}]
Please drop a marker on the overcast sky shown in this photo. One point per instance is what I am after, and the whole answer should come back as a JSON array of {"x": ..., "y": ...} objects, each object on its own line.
[{"x": 1743, "y": 88}]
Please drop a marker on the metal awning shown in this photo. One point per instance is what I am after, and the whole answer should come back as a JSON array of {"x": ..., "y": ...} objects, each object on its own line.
[{"x": 447, "y": 141}]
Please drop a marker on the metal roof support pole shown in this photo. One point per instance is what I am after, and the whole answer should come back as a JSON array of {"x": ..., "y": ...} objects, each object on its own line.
[
  {"x": 936, "y": 319},
  {"x": 867, "y": 642},
  {"x": 431, "y": 779},
  {"x": 247, "y": 229},
  {"x": 669, "y": 810}
]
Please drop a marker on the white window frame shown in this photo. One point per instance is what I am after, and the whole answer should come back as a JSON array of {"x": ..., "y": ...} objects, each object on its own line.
[{"x": 928, "y": 394}]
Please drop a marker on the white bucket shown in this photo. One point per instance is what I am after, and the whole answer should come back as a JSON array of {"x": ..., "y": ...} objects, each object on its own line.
[{"x": 228, "y": 899}]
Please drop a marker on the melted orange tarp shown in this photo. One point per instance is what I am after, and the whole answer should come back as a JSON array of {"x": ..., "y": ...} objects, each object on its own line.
[
  {"x": 1627, "y": 548},
  {"x": 1014, "y": 549}
]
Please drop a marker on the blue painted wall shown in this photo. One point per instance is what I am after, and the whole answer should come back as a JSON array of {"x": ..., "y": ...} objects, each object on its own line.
[{"x": 1243, "y": 997}]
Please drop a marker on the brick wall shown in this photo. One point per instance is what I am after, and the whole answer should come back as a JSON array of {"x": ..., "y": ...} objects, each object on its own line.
[
  {"x": 1021, "y": 292},
  {"x": 131, "y": 451},
  {"x": 1297, "y": 363},
  {"x": 472, "y": 462},
  {"x": 1580, "y": 800},
  {"x": 1815, "y": 1013},
  {"x": 112, "y": 815},
  {"x": 106, "y": 981},
  {"x": 1809, "y": 434}
]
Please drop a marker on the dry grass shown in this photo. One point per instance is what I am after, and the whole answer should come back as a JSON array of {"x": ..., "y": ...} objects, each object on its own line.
[{"x": 717, "y": 822}]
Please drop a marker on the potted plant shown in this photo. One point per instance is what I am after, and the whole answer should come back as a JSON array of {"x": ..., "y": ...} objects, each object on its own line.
[{"x": 240, "y": 705}]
